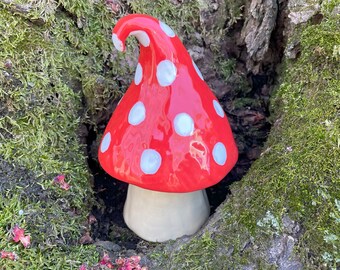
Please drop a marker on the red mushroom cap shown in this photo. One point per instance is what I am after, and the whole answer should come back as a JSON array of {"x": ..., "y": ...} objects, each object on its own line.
[{"x": 169, "y": 133}]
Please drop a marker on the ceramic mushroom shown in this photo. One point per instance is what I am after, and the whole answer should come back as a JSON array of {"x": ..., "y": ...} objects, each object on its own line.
[{"x": 169, "y": 137}]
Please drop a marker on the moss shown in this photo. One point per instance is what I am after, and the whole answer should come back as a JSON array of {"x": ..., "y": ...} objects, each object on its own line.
[
  {"x": 297, "y": 175},
  {"x": 46, "y": 71},
  {"x": 311, "y": 127},
  {"x": 182, "y": 18},
  {"x": 234, "y": 11},
  {"x": 193, "y": 20},
  {"x": 48, "y": 254},
  {"x": 227, "y": 66}
]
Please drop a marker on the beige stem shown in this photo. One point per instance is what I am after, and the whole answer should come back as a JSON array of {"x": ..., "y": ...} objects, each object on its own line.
[{"x": 161, "y": 216}]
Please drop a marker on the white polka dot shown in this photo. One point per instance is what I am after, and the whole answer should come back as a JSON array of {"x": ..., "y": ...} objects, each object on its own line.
[
  {"x": 137, "y": 114},
  {"x": 117, "y": 43},
  {"x": 183, "y": 124},
  {"x": 105, "y": 142},
  {"x": 197, "y": 71},
  {"x": 219, "y": 153},
  {"x": 166, "y": 73},
  {"x": 138, "y": 74},
  {"x": 218, "y": 108},
  {"x": 167, "y": 29},
  {"x": 150, "y": 161},
  {"x": 142, "y": 37}
]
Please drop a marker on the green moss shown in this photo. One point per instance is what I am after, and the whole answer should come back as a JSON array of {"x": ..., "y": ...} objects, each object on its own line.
[
  {"x": 234, "y": 11},
  {"x": 46, "y": 74},
  {"x": 44, "y": 253},
  {"x": 311, "y": 127},
  {"x": 226, "y": 66},
  {"x": 297, "y": 175},
  {"x": 185, "y": 16},
  {"x": 182, "y": 18}
]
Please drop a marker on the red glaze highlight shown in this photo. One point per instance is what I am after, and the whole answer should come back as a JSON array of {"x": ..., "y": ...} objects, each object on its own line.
[{"x": 188, "y": 159}]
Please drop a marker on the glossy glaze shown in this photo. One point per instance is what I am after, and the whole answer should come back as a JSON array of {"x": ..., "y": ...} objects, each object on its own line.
[{"x": 143, "y": 144}]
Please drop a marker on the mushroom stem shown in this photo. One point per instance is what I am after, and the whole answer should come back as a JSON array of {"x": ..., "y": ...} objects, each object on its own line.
[{"x": 161, "y": 216}]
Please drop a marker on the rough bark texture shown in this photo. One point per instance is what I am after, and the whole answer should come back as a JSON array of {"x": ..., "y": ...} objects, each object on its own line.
[{"x": 261, "y": 17}]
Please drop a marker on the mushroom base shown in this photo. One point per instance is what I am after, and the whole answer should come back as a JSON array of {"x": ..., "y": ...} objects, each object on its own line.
[{"x": 161, "y": 216}]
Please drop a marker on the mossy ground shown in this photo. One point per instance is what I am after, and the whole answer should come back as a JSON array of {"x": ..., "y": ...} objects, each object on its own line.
[
  {"x": 49, "y": 59},
  {"x": 298, "y": 174}
]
